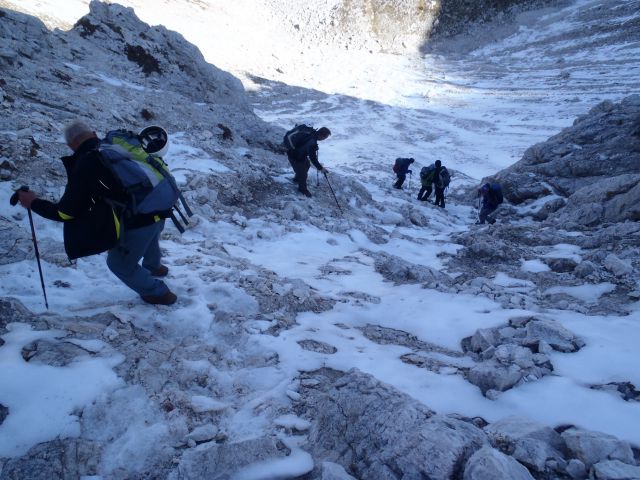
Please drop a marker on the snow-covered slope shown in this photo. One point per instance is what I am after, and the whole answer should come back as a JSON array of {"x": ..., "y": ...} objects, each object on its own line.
[{"x": 441, "y": 327}]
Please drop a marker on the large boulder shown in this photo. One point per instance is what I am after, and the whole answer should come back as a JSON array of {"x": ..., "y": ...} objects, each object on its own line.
[
  {"x": 379, "y": 432},
  {"x": 490, "y": 464},
  {"x": 592, "y": 447}
]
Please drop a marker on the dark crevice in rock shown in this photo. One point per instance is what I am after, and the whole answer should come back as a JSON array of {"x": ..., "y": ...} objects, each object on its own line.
[{"x": 146, "y": 61}]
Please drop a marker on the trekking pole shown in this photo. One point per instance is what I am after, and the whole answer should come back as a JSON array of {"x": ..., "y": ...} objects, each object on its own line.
[
  {"x": 332, "y": 192},
  {"x": 14, "y": 200}
]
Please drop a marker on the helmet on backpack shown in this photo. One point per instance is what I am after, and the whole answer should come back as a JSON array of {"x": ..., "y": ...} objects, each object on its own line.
[{"x": 155, "y": 140}]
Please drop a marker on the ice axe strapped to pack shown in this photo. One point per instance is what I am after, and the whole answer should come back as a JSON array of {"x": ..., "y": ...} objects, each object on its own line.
[{"x": 136, "y": 163}]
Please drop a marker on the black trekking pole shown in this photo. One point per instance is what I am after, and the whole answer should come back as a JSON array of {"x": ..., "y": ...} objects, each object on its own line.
[
  {"x": 332, "y": 192},
  {"x": 13, "y": 201}
]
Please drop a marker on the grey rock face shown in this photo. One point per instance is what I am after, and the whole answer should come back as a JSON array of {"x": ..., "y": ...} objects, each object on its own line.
[
  {"x": 592, "y": 447},
  {"x": 381, "y": 433},
  {"x": 490, "y": 464},
  {"x": 594, "y": 165},
  {"x": 154, "y": 50}
]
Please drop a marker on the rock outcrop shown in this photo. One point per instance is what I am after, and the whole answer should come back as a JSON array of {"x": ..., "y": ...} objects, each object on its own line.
[{"x": 588, "y": 174}]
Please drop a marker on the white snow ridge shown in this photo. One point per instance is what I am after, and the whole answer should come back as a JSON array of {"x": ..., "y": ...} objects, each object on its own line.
[{"x": 360, "y": 333}]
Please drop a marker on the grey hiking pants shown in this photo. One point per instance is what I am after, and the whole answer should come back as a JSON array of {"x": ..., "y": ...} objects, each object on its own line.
[{"x": 124, "y": 259}]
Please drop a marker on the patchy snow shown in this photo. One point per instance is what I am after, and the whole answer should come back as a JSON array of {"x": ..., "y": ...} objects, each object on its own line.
[{"x": 379, "y": 107}]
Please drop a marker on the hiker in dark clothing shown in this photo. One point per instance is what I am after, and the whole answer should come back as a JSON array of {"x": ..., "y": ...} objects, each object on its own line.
[
  {"x": 92, "y": 224},
  {"x": 426, "y": 181},
  {"x": 401, "y": 167},
  {"x": 491, "y": 194},
  {"x": 438, "y": 184},
  {"x": 302, "y": 150}
]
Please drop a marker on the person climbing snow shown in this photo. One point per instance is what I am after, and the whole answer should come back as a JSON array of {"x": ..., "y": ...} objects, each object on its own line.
[
  {"x": 426, "y": 180},
  {"x": 90, "y": 209},
  {"x": 301, "y": 143},
  {"x": 401, "y": 169},
  {"x": 491, "y": 194},
  {"x": 441, "y": 179}
]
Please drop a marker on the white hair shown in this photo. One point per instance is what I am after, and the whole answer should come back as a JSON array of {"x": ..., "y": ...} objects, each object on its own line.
[{"x": 76, "y": 129}]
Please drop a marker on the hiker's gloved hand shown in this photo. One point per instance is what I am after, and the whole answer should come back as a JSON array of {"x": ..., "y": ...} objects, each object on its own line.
[
  {"x": 25, "y": 198},
  {"x": 324, "y": 170}
]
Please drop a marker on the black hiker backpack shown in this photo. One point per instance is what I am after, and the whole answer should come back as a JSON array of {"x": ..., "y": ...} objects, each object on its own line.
[
  {"x": 297, "y": 136},
  {"x": 426, "y": 172},
  {"x": 445, "y": 177},
  {"x": 496, "y": 188},
  {"x": 145, "y": 178}
]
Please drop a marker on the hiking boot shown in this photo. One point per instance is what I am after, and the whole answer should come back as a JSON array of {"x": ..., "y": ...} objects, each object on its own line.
[
  {"x": 491, "y": 221},
  {"x": 161, "y": 271},
  {"x": 305, "y": 192},
  {"x": 167, "y": 298}
]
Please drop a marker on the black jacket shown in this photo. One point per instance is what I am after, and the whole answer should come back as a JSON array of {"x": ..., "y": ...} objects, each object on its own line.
[
  {"x": 307, "y": 149},
  {"x": 91, "y": 224}
]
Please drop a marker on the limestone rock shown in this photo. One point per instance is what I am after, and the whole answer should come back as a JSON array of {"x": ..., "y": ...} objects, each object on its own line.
[
  {"x": 615, "y": 470},
  {"x": 490, "y": 464},
  {"x": 382, "y": 433},
  {"x": 592, "y": 447}
]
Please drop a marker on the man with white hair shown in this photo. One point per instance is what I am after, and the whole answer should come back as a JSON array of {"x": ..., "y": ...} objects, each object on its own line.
[{"x": 91, "y": 219}]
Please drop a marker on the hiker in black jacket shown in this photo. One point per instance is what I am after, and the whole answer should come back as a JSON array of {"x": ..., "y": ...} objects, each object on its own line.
[
  {"x": 491, "y": 194},
  {"x": 92, "y": 224},
  {"x": 302, "y": 150},
  {"x": 401, "y": 167}
]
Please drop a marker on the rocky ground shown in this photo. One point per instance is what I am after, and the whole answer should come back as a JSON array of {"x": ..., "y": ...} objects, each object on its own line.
[{"x": 579, "y": 189}]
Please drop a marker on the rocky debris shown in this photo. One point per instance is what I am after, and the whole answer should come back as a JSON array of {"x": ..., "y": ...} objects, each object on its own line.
[
  {"x": 58, "y": 459},
  {"x": 318, "y": 347},
  {"x": 507, "y": 366},
  {"x": 516, "y": 353},
  {"x": 490, "y": 464},
  {"x": 377, "y": 432},
  {"x": 627, "y": 390},
  {"x": 399, "y": 271}
]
